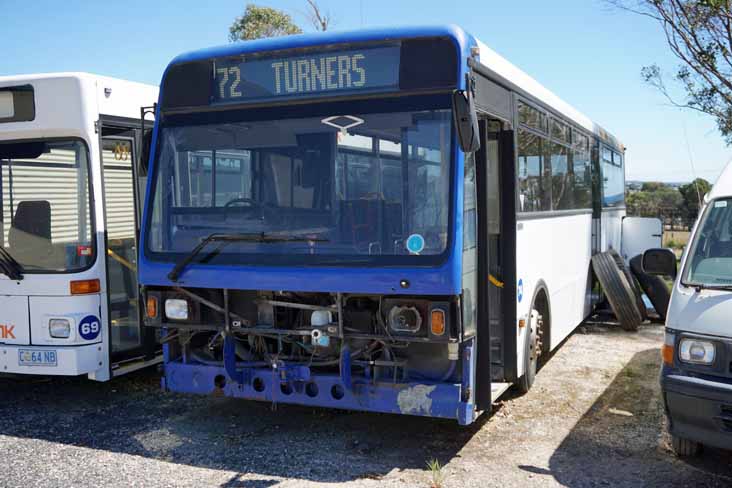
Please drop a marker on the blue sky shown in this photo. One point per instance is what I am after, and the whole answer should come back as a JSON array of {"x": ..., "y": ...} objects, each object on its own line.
[{"x": 586, "y": 52}]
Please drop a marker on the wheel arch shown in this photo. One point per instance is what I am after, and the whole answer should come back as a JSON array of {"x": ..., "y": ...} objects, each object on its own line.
[{"x": 542, "y": 297}]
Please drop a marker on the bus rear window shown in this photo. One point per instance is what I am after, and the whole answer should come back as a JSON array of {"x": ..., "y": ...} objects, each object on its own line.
[{"x": 17, "y": 104}]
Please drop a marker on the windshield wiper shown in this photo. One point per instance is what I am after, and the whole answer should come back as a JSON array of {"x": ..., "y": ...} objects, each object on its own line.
[
  {"x": 10, "y": 266},
  {"x": 228, "y": 238},
  {"x": 699, "y": 287}
]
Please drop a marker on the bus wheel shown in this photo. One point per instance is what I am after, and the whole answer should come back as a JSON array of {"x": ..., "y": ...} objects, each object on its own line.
[
  {"x": 532, "y": 351},
  {"x": 684, "y": 447}
]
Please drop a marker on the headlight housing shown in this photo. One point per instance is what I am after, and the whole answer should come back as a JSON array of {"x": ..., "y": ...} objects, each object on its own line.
[
  {"x": 59, "y": 328},
  {"x": 405, "y": 319},
  {"x": 176, "y": 309},
  {"x": 697, "y": 351}
]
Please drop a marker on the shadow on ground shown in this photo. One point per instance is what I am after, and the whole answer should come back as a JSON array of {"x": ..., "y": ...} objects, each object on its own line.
[
  {"x": 131, "y": 415},
  {"x": 621, "y": 440}
]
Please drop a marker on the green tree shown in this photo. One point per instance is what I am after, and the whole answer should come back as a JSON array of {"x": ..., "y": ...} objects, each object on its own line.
[
  {"x": 651, "y": 186},
  {"x": 653, "y": 199},
  {"x": 699, "y": 34},
  {"x": 693, "y": 193},
  {"x": 258, "y": 22}
]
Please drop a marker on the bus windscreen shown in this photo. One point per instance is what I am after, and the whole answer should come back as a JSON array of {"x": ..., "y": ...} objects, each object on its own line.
[{"x": 351, "y": 194}]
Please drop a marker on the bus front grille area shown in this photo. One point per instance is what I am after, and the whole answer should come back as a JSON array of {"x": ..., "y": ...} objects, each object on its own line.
[{"x": 392, "y": 354}]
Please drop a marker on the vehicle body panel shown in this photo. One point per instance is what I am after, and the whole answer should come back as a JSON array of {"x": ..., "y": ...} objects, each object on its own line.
[
  {"x": 68, "y": 106},
  {"x": 698, "y": 398},
  {"x": 546, "y": 261}
]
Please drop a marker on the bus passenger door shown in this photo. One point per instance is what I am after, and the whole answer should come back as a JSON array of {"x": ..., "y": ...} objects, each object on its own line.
[
  {"x": 128, "y": 340},
  {"x": 491, "y": 273}
]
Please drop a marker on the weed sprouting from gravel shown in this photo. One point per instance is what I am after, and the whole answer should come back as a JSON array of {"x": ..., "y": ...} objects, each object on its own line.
[{"x": 437, "y": 477}]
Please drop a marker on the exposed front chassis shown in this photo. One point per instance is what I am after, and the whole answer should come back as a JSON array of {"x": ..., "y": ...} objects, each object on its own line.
[{"x": 281, "y": 351}]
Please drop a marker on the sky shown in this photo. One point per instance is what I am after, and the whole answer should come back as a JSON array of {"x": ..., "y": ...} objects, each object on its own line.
[{"x": 585, "y": 51}]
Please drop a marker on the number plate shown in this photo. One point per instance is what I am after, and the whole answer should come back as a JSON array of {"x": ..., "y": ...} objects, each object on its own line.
[{"x": 35, "y": 357}]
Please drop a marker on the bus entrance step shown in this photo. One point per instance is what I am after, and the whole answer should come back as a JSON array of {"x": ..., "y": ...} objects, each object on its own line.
[{"x": 498, "y": 389}]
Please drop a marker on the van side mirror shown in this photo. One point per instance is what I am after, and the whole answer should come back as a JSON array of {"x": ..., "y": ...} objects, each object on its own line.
[
  {"x": 466, "y": 120},
  {"x": 659, "y": 262}
]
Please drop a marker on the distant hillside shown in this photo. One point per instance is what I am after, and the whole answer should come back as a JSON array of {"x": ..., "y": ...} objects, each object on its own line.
[{"x": 636, "y": 185}]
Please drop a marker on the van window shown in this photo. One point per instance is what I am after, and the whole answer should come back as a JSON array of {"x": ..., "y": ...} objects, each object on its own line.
[{"x": 710, "y": 259}]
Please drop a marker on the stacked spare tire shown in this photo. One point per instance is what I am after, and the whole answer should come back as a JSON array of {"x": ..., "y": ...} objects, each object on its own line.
[{"x": 623, "y": 292}]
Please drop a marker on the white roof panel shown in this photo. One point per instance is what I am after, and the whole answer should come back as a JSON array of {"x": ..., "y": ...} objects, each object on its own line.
[{"x": 504, "y": 68}]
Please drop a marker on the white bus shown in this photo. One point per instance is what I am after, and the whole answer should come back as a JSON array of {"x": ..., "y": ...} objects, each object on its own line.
[{"x": 70, "y": 192}]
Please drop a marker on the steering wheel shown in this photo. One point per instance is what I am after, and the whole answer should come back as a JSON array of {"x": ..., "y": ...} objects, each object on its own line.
[
  {"x": 234, "y": 201},
  {"x": 251, "y": 204}
]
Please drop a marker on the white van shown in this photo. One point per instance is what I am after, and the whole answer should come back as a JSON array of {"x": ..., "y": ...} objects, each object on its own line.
[{"x": 696, "y": 376}]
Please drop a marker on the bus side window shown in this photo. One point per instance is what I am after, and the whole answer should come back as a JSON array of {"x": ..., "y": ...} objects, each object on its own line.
[
  {"x": 613, "y": 178},
  {"x": 582, "y": 171},
  {"x": 535, "y": 193},
  {"x": 562, "y": 180}
]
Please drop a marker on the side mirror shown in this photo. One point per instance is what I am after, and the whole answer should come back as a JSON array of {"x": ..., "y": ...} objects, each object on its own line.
[
  {"x": 659, "y": 262},
  {"x": 145, "y": 140},
  {"x": 466, "y": 120},
  {"x": 145, "y": 152},
  {"x": 707, "y": 198}
]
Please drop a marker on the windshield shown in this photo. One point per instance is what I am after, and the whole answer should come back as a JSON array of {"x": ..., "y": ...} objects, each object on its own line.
[
  {"x": 325, "y": 188},
  {"x": 710, "y": 259},
  {"x": 46, "y": 223}
]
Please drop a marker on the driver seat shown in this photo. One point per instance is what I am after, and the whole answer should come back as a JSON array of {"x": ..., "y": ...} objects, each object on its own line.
[{"x": 30, "y": 233}]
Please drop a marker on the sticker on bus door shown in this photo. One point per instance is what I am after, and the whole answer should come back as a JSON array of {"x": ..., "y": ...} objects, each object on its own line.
[{"x": 89, "y": 328}]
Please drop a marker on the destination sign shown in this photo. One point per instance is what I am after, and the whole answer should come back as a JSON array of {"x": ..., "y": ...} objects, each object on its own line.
[{"x": 321, "y": 74}]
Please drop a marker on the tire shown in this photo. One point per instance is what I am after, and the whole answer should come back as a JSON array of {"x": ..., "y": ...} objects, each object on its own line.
[
  {"x": 631, "y": 281},
  {"x": 532, "y": 350},
  {"x": 684, "y": 447},
  {"x": 654, "y": 287},
  {"x": 618, "y": 291}
]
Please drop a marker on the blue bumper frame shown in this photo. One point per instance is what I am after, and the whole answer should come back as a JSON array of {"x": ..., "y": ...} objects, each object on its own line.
[
  {"x": 299, "y": 385},
  {"x": 426, "y": 399}
]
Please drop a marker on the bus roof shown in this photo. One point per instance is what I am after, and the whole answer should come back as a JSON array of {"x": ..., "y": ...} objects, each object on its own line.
[
  {"x": 116, "y": 97},
  {"x": 492, "y": 61}
]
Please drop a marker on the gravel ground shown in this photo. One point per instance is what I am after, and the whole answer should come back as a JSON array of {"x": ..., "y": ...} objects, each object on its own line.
[{"x": 593, "y": 419}]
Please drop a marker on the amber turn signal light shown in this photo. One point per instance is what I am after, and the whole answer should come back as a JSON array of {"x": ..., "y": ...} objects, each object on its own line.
[
  {"x": 667, "y": 350},
  {"x": 151, "y": 307},
  {"x": 667, "y": 353},
  {"x": 84, "y": 287},
  {"x": 437, "y": 321}
]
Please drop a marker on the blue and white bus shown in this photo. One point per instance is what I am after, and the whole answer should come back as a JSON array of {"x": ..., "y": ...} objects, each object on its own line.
[{"x": 385, "y": 220}]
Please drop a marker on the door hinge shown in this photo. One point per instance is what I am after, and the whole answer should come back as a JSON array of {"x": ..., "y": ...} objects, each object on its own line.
[{"x": 97, "y": 125}]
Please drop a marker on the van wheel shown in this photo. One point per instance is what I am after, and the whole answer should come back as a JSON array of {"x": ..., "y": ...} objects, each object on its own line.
[
  {"x": 532, "y": 351},
  {"x": 684, "y": 447}
]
